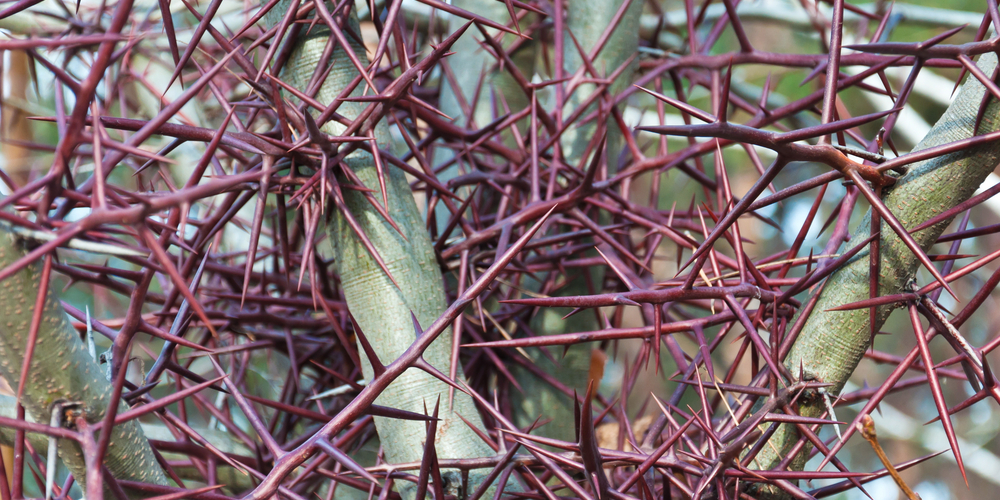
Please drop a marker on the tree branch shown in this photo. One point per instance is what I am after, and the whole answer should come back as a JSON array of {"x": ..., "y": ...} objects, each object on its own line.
[
  {"x": 62, "y": 370},
  {"x": 832, "y": 343}
]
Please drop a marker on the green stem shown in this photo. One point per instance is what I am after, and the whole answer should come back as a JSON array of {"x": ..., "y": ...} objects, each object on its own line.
[
  {"x": 832, "y": 343},
  {"x": 62, "y": 370},
  {"x": 381, "y": 309}
]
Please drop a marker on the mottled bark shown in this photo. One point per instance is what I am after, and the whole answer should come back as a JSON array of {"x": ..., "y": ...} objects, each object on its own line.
[
  {"x": 381, "y": 309},
  {"x": 832, "y": 343},
  {"x": 62, "y": 370}
]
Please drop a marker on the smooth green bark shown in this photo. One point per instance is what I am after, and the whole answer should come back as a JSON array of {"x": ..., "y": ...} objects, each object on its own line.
[
  {"x": 382, "y": 310},
  {"x": 587, "y": 20},
  {"x": 832, "y": 343}
]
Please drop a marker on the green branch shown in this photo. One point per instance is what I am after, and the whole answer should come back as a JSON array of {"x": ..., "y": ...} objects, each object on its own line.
[
  {"x": 62, "y": 370},
  {"x": 382, "y": 309},
  {"x": 832, "y": 343}
]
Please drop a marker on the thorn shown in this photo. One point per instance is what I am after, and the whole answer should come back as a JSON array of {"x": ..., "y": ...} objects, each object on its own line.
[{"x": 377, "y": 367}]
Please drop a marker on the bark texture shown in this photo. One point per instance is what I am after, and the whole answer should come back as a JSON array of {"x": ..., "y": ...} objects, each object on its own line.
[
  {"x": 382, "y": 310},
  {"x": 832, "y": 343},
  {"x": 62, "y": 370}
]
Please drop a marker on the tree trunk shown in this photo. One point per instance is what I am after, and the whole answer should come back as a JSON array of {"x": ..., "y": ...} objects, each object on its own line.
[
  {"x": 382, "y": 310},
  {"x": 62, "y": 370},
  {"x": 480, "y": 85},
  {"x": 832, "y": 343},
  {"x": 587, "y": 21}
]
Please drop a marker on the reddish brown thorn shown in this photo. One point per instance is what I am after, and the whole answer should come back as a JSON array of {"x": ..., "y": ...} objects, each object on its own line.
[
  {"x": 167, "y": 263},
  {"x": 377, "y": 367},
  {"x": 897, "y": 227},
  {"x": 736, "y": 212},
  {"x": 683, "y": 106},
  {"x": 36, "y": 322},
  {"x": 428, "y": 462},
  {"x": 345, "y": 460},
  {"x": 195, "y": 41},
  {"x": 935, "y": 386},
  {"x": 258, "y": 222},
  {"x": 589, "y": 451},
  {"x": 139, "y": 411}
]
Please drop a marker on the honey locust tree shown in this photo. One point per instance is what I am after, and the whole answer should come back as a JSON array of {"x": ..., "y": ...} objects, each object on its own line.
[{"x": 521, "y": 248}]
